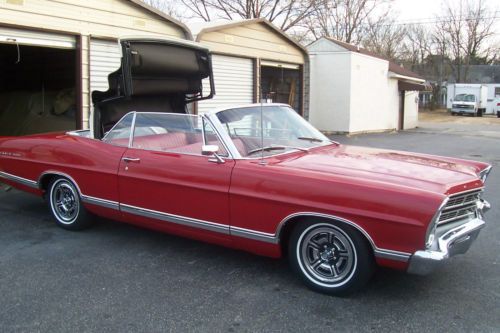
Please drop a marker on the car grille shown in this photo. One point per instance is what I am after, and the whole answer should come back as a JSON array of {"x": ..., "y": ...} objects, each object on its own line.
[
  {"x": 461, "y": 106},
  {"x": 460, "y": 206}
]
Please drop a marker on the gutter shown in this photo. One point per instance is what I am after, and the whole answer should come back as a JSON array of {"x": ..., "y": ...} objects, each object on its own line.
[{"x": 403, "y": 77}]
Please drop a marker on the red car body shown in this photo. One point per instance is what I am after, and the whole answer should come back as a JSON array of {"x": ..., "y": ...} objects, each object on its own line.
[{"x": 390, "y": 196}]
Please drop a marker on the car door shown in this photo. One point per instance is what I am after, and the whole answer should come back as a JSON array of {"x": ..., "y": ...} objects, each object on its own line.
[{"x": 165, "y": 182}]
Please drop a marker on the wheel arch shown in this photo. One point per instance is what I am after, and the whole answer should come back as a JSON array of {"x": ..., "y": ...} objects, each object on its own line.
[
  {"x": 45, "y": 178},
  {"x": 286, "y": 226}
]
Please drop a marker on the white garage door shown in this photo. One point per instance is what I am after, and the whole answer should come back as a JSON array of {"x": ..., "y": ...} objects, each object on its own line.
[
  {"x": 35, "y": 38},
  {"x": 234, "y": 82},
  {"x": 105, "y": 58}
]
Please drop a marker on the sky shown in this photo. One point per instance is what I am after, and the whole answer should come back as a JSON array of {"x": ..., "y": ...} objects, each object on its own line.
[
  {"x": 411, "y": 10},
  {"x": 426, "y": 10}
]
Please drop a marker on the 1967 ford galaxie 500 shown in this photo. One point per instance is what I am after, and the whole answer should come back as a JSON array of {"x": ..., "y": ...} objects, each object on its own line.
[{"x": 257, "y": 178}]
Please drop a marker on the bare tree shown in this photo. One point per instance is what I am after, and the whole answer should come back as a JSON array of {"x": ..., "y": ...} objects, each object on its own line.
[
  {"x": 167, "y": 6},
  {"x": 346, "y": 20},
  {"x": 465, "y": 33},
  {"x": 284, "y": 14},
  {"x": 385, "y": 39}
]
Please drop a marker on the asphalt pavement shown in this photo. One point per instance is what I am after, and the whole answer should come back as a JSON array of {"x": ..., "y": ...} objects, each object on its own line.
[{"x": 119, "y": 278}]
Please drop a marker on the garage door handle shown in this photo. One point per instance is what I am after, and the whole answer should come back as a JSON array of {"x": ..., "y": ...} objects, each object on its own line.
[{"x": 131, "y": 160}]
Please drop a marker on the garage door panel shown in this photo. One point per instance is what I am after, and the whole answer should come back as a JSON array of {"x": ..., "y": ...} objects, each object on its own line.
[
  {"x": 105, "y": 57},
  {"x": 234, "y": 81}
]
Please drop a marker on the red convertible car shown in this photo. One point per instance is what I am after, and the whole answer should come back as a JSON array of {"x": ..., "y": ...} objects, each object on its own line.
[{"x": 257, "y": 178}]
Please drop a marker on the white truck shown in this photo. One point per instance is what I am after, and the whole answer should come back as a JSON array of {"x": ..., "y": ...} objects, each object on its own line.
[{"x": 468, "y": 99}]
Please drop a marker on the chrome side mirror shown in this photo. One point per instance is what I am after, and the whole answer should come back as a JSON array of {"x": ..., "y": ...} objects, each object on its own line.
[
  {"x": 212, "y": 150},
  {"x": 209, "y": 150}
]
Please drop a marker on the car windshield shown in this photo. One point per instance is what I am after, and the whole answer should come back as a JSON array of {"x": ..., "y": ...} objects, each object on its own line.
[
  {"x": 269, "y": 130},
  {"x": 465, "y": 98}
]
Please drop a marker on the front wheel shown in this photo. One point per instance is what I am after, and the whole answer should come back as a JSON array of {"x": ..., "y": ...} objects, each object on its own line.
[
  {"x": 66, "y": 206},
  {"x": 329, "y": 258}
]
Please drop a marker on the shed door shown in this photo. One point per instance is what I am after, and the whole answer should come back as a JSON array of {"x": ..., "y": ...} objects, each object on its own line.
[
  {"x": 233, "y": 83},
  {"x": 105, "y": 57}
]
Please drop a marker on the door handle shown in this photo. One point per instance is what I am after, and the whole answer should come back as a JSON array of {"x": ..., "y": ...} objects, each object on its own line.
[{"x": 131, "y": 160}]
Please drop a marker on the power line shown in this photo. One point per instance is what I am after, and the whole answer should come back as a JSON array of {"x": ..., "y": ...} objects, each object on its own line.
[
  {"x": 494, "y": 18},
  {"x": 434, "y": 18}
]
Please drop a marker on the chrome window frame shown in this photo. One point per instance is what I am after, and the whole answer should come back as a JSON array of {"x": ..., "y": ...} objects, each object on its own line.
[{"x": 228, "y": 145}]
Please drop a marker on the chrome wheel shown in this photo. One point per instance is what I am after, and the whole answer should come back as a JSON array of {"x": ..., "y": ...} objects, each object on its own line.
[
  {"x": 64, "y": 201},
  {"x": 326, "y": 255}
]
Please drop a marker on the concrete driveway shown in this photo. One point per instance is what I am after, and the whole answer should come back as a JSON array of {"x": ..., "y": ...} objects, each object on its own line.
[
  {"x": 443, "y": 122},
  {"x": 119, "y": 278}
]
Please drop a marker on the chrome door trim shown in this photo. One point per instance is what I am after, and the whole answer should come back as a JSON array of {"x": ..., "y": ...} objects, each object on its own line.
[
  {"x": 177, "y": 219},
  {"x": 255, "y": 235},
  {"x": 19, "y": 180}
]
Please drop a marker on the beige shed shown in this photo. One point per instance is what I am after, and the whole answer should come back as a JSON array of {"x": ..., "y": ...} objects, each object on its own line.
[
  {"x": 252, "y": 61},
  {"x": 54, "y": 53}
]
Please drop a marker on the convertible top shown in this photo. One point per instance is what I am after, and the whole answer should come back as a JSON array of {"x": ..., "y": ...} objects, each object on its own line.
[{"x": 156, "y": 74}]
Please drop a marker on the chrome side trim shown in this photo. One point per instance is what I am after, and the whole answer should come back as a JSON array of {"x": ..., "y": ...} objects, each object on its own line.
[
  {"x": 379, "y": 252},
  {"x": 20, "y": 180},
  {"x": 100, "y": 202},
  {"x": 186, "y": 221},
  {"x": 392, "y": 255},
  {"x": 255, "y": 235}
]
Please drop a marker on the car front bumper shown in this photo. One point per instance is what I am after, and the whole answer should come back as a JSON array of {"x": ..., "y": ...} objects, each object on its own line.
[
  {"x": 456, "y": 240},
  {"x": 463, "y": 110}
]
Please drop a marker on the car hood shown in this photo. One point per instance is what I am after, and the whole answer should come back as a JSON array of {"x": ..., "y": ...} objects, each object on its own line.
[{"x": 430, "y": 173}]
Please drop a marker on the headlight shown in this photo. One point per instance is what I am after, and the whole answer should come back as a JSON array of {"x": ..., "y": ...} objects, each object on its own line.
[
  {"x": 484, "y": 173},
  {"x": 430, "y": 235}
]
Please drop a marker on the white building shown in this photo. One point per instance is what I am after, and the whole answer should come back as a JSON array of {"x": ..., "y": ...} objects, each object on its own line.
[{"x": 353, "y": 90}]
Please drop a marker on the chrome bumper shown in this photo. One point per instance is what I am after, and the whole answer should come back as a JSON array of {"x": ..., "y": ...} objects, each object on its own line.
[{"x": 454, "y": 241}]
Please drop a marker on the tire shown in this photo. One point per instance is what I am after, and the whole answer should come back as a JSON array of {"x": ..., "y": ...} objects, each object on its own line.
[
  {"x": 66, "y": 206},
  {"x": 453, "y": 114},
  {"x": 329, "y": 258},
  {"x": 479, "y": 113}
]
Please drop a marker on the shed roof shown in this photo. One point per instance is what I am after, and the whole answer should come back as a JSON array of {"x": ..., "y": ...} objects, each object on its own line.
[
  {"x": 169, "y": 18},
  {"x": 393, "y": 67},
  {"x": 200, "y": 28}
]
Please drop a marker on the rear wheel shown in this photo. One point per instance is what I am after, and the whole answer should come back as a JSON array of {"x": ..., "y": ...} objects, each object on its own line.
[
  {"x": 65, "y": 205},
  {"x": 329, "y": 258}
]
